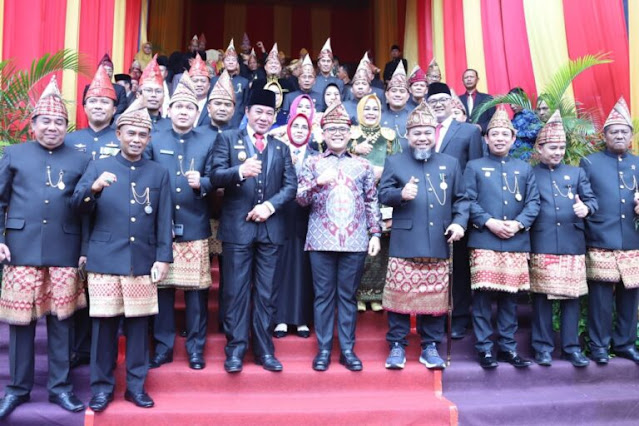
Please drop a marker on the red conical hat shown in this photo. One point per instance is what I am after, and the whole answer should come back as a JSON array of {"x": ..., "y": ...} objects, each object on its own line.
[
  {"x": 50, "y": 102},
  {"x": 198, "y": 67},
  {"x": 416, "y": 75},
  {"x": 101, "y": 86},
  {"x": 152, "y": 74}
]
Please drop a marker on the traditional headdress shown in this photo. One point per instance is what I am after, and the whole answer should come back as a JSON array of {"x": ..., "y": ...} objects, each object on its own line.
[
  {"x": 152, "y": 74},
  {"x": 101, "y": 85},
  {"x": 273, "y": 54},
  {"x": 106, "y": 60},
  {"x": 422, "y": 115},
  {"x": 417, "y": 74},
  {"x": 184, "y": 91},
  {"x": 335, "y": 114},
  {"x": 307, "y": 64},
  {"x": 501, "y": 119},
  {"x": 223, "y": 88},
  {"x": 261, "y": 97},
  {"x": 198, "y": 67},
  {"x": 50, "y": 102},
  {"x": 326, "y": 50},
  {"x": 457, "y": 103},
  {"x": 619, "y": 114},
  {"x": 553, "y": 130},
  {"x": 399, "y": 77},
  {"x": 136, "y": 115},
  {"x": 433, "y": 67},
  {"x": 121, "y": 77},
  {"x": 437, "y": 88},
  {"x": 230, "y": 51},
  {"x": 363, "y": 71}
]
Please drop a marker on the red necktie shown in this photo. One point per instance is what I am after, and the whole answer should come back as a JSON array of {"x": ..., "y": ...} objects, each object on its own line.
[
  {"x": 438, "y": 143},
  {"x": 259, "y": 142}
]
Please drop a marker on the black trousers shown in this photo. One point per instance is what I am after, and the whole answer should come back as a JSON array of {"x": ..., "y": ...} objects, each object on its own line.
[
  {"x": 81, "y": 331},
  {"x": 104, "y": 353},
  {"x": 429, "y": 327},
  {"x": 506, "y": 320},
  {"x": 462, "y": 295},
  {"x": 220, "y": 291},
  {"x": 542, "y": 333},
  {"x": 336, "y": 276},
  {"x": 246, "y": 265},
  {"x": 22, "y": 356},
  {"x": 197, "y": 319},
  {"x": 600, "y": 301}
]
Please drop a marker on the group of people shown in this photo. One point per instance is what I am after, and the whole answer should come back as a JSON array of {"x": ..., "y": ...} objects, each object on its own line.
[{"x": 313, "y": 200}]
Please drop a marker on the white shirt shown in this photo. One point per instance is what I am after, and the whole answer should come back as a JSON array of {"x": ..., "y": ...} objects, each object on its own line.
[{"x": 442, "y": 132}]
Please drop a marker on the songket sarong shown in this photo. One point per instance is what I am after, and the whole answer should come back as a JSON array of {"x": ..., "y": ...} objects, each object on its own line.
[
  {"x": 416, "y": 286},
  {"x": 613, "y": 266},
  {"x": 31, "y": 292},
  {"x": 114, "y": 295},
  {"x": 499, "y": 270},
  {"x": 191, "y": 267},
  {"x": 559, "y": 276}
]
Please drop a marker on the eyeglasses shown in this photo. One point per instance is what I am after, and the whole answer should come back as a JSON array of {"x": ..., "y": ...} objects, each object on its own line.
[
  {"x": 441, "y": 101},
  {"x": 334, "y": 130}
]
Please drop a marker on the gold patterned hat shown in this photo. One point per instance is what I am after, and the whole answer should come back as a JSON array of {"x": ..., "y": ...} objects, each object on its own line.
[
  {"x": 422, "y": 115},
  {"x": 185, "y": 91},
  {"x": 500, "y": 119},
  {"x": 223, "y": 88},
  {"x": 399, "y": 77},
  {"x": 620, "y": 114},
  {"x": 335, "y": 114},
  {"x": 433, "y": 66},
  {"x": 273, "y": 54},
  {"x": 307, "y": 64},
  {"x": 553, "y": 131},
  {"x": 326, "y": 51},
  {"x": 230, "y": 51},
  {"x": 50, "y": 102},
  {"x": 363, "y": 71},
  {"x": 136, "y": 114}
]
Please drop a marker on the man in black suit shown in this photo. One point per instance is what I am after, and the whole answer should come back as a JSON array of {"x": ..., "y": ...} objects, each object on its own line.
[
  {"x": 462, "y": 141},
  {"x": 258, "y": 178},
  {"x": 396, "y": 57},
  {"x": 472, "y": 99}
]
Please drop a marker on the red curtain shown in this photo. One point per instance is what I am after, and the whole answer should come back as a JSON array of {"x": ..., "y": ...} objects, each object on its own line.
[
  {"x": 351, "y": 34},
  {"x": 600, "y": 87},
  {"x": 454, "y": 43},
  {"x": 96, "y": 39},
  {"x": 202, "y": 14},
  {"x": 131, "y": 31},
  {"x": 260, "y": 21},
  {"x": 425, "y": 33},
  {"x": 300, "y": 27}
]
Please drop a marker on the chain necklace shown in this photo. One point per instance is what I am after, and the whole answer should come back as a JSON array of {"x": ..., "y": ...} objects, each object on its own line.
[
  {"x": 191, "y": 165},
  {"x": 568, "y": 195},
  {"x": 515, "y": 189},
  {"x": 59, "y": 184},
  {"x": 442, "y": 185},
  {"x": 143, "y": 199},
  {"x": 634, "y": 186}
]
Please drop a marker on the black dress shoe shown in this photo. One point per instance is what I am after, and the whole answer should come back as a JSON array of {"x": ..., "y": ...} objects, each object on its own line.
[
  {"x": 160, "y": 359},
  {"x": 183, "y": 333},
  {"x": 196, "y": 361},
  {"x": 578, "y": 359},
  {"x": 68, "y": 401},
  {"x": 233, "y": 364},
  {"x": 322, "y": 360},
  {"x": 279, "y": 334},
  {"x": 100, "y": 401},
  {"x": 513, "y": 359},
  {"x": 78, "y": 360},
  {"x": 269, "y": 363},
  {"x": 10, "y": 402},
  {"x": 487, "y": 361},
  {"x": 600, "y": 356},
  {"x": 141, "y": 399},
  {"x": 458, "y": 334},
  {"x": 349, "y": 360},
  {"x": 543, "y": 358},
  {"x": 630, "y": 353},
  {"x": 304, "y": 333}
]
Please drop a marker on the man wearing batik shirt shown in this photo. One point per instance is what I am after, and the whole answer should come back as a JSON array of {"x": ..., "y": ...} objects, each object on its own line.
[
  {"x": 344, "y": 226},
  {"x": 558, "y": 246},
  {"x": 504, "y": 202},
  {"x": 426, "y": 192},
  {"x": 612, "y": 259},
  {"x": 40, "y": 244}
]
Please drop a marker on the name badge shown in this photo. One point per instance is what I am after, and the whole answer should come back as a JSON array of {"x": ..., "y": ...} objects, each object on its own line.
[
  {"x": 490, "y": 169},
  {"x": 238, "y": 146},
  {"x": 442, "y": 167},
  {"x": 81, "y": 147},
  {"x": 516, "y": 172},
  {"x": 566, "y": 177},
  {"x": 166, "y": 151},
  {"x": 178, "y": 229}
]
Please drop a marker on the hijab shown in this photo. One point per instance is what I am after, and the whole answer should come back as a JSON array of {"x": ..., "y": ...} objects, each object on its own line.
[{"x": 288, "y": 129}]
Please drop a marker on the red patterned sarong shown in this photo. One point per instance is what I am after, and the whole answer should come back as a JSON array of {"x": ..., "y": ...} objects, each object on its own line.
[
  {"x": 416, "y": 286},
  {"x": 191, "y": 268},
  {"x": 499, "y": 270},
  {"x": 613, "y": 266},
  {"x": 30, "y": 292},
  {"x": 114, "y": 295},
  {"x": 558, "y": 276}
]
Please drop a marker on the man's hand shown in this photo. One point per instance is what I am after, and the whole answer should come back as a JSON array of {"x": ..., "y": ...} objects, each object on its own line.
[
  {"x": 105, "y": 180},
  {"x": 193, "y": 179},
  {"x": 259, "y": 213},
  {"x": 500, "y": 228},
  {"x": 82, "y": 261},
  {"x": 363, "y": 148},
  {"x": 410, "y": 189},
  {"x": 328, "y": 177},
  {"x": 455, "y": 232},
  {"x": 581, "y": 210},
  {"x": 5, "y": 253},
  {"x": 252, "y": 167},
  {"x": 374, "y": 246},
  {"x": 162, "y": 269},
  {"x": 260, "y": 46},
  {"x": 377, "y": 171}
]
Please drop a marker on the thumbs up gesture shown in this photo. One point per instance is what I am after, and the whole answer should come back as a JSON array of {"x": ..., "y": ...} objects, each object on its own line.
[
  {"x": 410, "y": 189},
  {"x": 580, "y": 209},
  {"x": 251, "y": 167}
]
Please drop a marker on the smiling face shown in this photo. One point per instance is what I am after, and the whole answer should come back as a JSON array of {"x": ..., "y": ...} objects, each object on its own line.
[
  {"x": 230, "y": 64},
  {"x": 552, "y": 153},
  {"x": 618, "y": 137},
  {"x": 49, "y": 130},
  {"x": 273, "y": 67},
  {"x": 336, "y": 137},
  {"x": 260, "y": 118},
  {"x": 153, "y": 96},
  {"x": 421, "y": 137},
  {"x": 183, "y": 115},
  {"x": 306, "y": 80},
  {"x": 325, "y": 64},
  {"x": 360, "y": 88},
  {"x": 397, "y": 97},
  {"x": 304, "y": 107},
  {"x": 201, "y": 84},
  {"x": 100, "y": 110},
  {"x": 331, "y": 95},
  {"x": 418, "y": 89},
  {"x": 372, "y": 113},
  {"x": 133, "y": 141},
  {"x": 299, "y": 130},
  {"x": 441, "y": 106},
  {"x": 499, "y": 140}
]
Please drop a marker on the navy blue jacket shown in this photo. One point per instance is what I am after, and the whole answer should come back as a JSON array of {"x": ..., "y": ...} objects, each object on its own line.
[
  {"x": 613, "y": 225},
  {"x": 37, "y": 221},
  {"x": 321, "y": 82},
  {"x": 318, "y": 102},
  {"x": 557, "y": 230},
  {"x": 464, "y": 142},
  {"x": 98, "y": 144},
  {"x": 396, "y": 120},
  {"x": 419, "y": 225},
  {"x": 490, "y": 198},
  {"x": 348, "y": 94},
  {"x": 480, "y": 98},
  {"x": 124, "y": 239},
  {"x": 191, "y": 211},
  {"x": 240, "y": 196}
]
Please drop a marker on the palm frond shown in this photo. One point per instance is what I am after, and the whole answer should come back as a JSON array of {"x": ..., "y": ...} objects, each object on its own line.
[{"x": 520, "y": 99}]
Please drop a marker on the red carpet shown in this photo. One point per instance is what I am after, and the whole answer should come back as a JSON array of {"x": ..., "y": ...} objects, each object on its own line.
[{"x": 298, "y": 395}]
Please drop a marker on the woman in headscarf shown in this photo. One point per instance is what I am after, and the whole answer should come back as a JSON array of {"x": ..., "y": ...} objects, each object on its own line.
[
  {"x": 294, "y": 306},
  {"x": 331, "y": 94},
  {"x": 374, "y": 142},
  {"x": 144, "y": 55}
]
